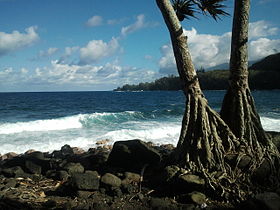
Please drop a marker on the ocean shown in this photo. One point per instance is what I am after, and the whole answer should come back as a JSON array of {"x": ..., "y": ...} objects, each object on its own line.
[{"x": 46, "y": 121}]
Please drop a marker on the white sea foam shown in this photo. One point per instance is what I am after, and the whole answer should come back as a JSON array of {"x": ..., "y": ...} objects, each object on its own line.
[
  {"x": 270, "y": 124},
  {"x": 159, "y": 134},
  {"x": 42, "y": 125},
  {"x": 84, "y": 130},
  {"x": 64, "y": 123}
]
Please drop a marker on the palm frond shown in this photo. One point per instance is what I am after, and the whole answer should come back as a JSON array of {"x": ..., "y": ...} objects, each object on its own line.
[
  {"x": 184, "y": 9},
  {"x": 214, "y": 8}
]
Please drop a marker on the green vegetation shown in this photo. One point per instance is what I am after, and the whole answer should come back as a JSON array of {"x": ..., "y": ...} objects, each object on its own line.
[
  {"x": 264, "y": 74},
  {"x": 211, "y": 80}
]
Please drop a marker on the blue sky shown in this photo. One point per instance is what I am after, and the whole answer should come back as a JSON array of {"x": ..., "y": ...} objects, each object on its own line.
[{"x": 66, "y": 45}]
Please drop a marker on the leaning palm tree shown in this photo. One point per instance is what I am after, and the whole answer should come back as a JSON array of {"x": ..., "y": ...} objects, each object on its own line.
[{"x": 205, "y": 139}]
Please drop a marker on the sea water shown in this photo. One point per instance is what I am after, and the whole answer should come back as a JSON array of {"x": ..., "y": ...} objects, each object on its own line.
[{"x": 46, "y": 121}]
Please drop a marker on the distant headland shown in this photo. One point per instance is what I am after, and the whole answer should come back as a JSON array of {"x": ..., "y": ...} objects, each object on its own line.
[{"x": 264, "y": 75}]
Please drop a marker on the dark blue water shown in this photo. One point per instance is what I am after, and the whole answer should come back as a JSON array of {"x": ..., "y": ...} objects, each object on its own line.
[{"x": 46, "y": 121}]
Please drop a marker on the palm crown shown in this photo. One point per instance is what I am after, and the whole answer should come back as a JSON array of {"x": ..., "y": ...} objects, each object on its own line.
[{"x": 189, "y": 8}]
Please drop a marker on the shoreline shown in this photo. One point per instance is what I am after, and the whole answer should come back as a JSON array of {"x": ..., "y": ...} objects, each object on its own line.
[
  {"x": 105, "y": 143},
  {"x": 105, "y": 177}
]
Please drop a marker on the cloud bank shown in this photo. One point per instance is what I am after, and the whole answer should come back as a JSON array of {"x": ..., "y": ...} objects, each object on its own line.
[{"x": 210, "y": 50}]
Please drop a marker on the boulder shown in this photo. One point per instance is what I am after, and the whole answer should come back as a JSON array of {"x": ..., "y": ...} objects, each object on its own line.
[
  {"x": 169, "y": 172},
  {"x": 9, "y": 155},
  {"x": 35, "y": 155},
  {"x": 32, "y": 167},
  {"x": 60, "y": 175},
  {"x": 269, "y": 200},
  {"x": 85, "y": 181},
  {"x": 192, "y": 179},
  {"x": 197, "y": 198},
  {"x": 84, "y": 194},
  {"x": 188, "y": 183},
  {"x": 262, "y": 173},
  {"x": 162, "y": 203},
  {"x": 15, "y": 171},
  {"x": 93, "y": 161},
  {"x": 78, "y": 150},
  {"x": 66, "y": 150},
  {"x": 130, "y": 177},
  {"x": 133, "y": 154},
  {"x": 111, "y": 180},
  {"x": 73, "y": 168}
]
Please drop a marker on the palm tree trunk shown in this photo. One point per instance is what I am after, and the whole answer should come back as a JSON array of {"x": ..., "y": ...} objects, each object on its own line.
[
  {"x": 205, "y": 139},
  {"x": 238, "y": 109}
]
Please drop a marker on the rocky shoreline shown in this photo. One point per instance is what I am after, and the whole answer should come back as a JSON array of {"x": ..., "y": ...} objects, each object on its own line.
[{"x": 129, "y": 175}]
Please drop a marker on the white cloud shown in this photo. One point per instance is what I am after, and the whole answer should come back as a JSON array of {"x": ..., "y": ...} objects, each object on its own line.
[
  {"x": 210, "y": 50},
  {"x": 139, "y": 24},
  {"x": 97, "y": 50},
  {"x": 261, "y": 29},
  {"x": 115, "y": 21},
  {"x": 167, "y": 63},
  {"x": 94, "y": 21},
  {"x": 263, "y": 47},
  {"x": 16, "y": 40},
  {"x": 60, "y": 75},
  {"x": 68, "y": 51},
  {"x": 48, "y": 52},
  {"x": 206, "y": 51}
]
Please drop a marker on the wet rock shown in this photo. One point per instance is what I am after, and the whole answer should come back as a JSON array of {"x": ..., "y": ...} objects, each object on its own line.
[
  {"x": 133, "y": 154},
  {"x": 262, "y": 173},
  {"x": 115, "y": 191},
  {"x": 244, "y": 162},
  {"x": 35, "y": 155},
  {"x": 104, "y": 141},
  {"x": 15, "y": 161},
  {"x": 197, "y": 198},
  {"x": 84, "y": 194},
  {"x": 78, "y": 150},
  {"x": 275, "y": 136},
  {"x": 134, "y": 177},
  {"x": 85, "y": 181},
  {"x": 269, "y": 200},
  {"x": 169, "y": 172},
  {"x": 62, "y": 175},
  {"x": 66, "y": 150},
  {"x": 190, "y": 179},
  {"x": 130, "y": 177},
  {"x": 94, "y": 161},
  {"x": 10, "y": 183},
  {"x": 32, "y": 167},
  {"x": 73, "y": 168},
  {"x": 50, "y": 204},
  {"x": 15, "y": 171},
  {"x": 9, "y": 155},
  {"x": 111, "y": 180},
  {"x": 161, "y": 203},
  {"x": 29, "y": 151}
]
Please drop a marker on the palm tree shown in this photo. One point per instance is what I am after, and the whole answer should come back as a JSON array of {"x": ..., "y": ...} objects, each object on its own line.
[
  {"x": 238, "y": 109},
  {"x": 205, "y": 138},
  {"x": 206, "y": 141}
]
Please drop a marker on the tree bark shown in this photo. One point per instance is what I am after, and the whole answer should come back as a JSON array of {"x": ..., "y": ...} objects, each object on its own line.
[
  {"x": 238, "y": 109},
  {"x": 205, "y": 139}
]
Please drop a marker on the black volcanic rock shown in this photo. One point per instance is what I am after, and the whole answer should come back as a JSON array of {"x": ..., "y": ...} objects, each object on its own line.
[{"x": 133, "y": 154}]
